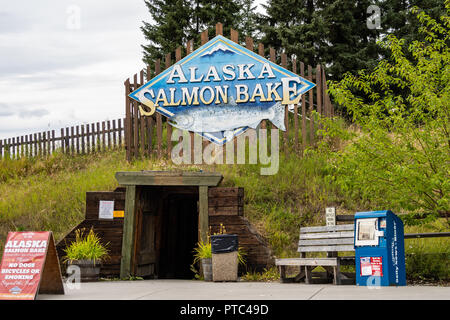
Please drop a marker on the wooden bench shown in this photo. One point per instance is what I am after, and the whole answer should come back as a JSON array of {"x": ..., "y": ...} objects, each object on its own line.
[{"x": 329, "y": 239}]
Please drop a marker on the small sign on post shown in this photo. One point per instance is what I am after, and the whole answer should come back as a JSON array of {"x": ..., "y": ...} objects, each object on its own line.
[
  {"x": 330, "y": 216},
  {"x": 29, "y": 266}
]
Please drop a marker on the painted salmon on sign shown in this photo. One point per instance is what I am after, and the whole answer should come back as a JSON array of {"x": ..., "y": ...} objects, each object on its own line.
[{"x": 220, "y": 90}]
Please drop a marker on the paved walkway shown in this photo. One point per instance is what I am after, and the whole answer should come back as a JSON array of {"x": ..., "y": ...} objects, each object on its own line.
[{"x": 200, "y": 290}]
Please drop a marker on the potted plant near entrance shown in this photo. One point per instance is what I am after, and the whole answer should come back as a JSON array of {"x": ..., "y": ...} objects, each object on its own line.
[
  {"x": 203, "y": 254},
  {"x": 87, "y": 253}
]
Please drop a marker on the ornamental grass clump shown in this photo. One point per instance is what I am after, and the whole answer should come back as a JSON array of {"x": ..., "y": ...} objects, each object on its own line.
[{"x": 86, "y": 247}]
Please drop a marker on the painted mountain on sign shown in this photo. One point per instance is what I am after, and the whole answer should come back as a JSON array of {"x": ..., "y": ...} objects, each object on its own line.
[{"x": 219, "y": 48}]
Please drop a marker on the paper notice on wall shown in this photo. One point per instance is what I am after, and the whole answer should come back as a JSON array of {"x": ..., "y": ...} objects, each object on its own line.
[{"x": 106, "y": 210}]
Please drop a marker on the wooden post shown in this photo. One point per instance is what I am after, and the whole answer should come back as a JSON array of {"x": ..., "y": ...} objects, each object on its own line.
[
  {"x": 68, "y": 146},
  {"x": 78, "y": 138},
  {"x": 99, "y": 142},
  {"x": 128, "y": 232},
  {"x": 94, "y": 143},
  {"x": 302, "y": 74},
  {"x": 53, "y": 141},
  {"x": 219, "y": 29},
  {"x": 203, "y": 218},
  {"x": 286, "y": 111},
  {"x": 114, "y": 133},
  {"x": 158, "y": 115},
  {"x": 319, "y": 90},
  {"x": 127, "y": 120},
  {"x": 168, "y": 126},
  {"x": 108, "y": 129},
  {"x": 135, "y": 121},
  {"x": 141, "y": 118},
  {"x": 272, "y": 55},
  {"x": 40, "y": 144},
  {"x": 22, "y": 147},
  {"x": 83, "y": 148},
  {"x": 103, "y": 136},
  {"x": 1, "y": 149},
  {"x": 249, "y": 43},
  {"x": 31, "y": 144},
  {"x": 44, "y": 144},
  {"x": 311, "y": 108},
  {"x": 234, "y": 35},
  {"x": 261, "y": 53},
  {"x": 119, "y": 125},
  {"x": 88, "y": 139},
  {"x": 296, "y": 140},
  {"x": 204, "y": 37}
]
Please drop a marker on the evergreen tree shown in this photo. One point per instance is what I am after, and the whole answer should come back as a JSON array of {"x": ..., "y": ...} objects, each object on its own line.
[
  {"x": 248, "y": 24},
  {"x": 174, "y": 22},
  {"x": 350, "y": 44},
  {"x": 171, "y": 27},
  {"x": 332, "y": 33},
  {"x": 210, "y": 12}
]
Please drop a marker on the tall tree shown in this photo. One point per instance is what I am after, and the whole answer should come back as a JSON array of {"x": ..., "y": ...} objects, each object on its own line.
[
  {"x": 248, "y": 24},
  {"x": 171, "y": 27},
  {"x": 332, "y": 33},
  {"x": 174, "y": 22}
]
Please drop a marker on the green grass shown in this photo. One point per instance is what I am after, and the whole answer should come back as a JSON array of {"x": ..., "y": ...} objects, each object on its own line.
[{"x": 50, "y": 194}]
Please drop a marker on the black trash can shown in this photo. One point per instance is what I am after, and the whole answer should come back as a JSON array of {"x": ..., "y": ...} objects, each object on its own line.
[{"x": 224, "y": 249}]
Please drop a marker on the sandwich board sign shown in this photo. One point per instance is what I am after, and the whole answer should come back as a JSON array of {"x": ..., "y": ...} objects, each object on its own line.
[
  {"x": 29, "y": 266},
  {"x": 220, "y": 90}
]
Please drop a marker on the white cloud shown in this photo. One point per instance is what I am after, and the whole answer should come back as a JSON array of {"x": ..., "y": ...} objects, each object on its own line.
[{"x": 53, "y": 75}]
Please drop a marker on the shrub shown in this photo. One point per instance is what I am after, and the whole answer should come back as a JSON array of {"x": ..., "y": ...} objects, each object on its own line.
[{"x": 86, "y": 247}]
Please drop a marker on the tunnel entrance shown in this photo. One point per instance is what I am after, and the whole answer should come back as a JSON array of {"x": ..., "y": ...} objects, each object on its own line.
[{"x": 167, "y": 232}]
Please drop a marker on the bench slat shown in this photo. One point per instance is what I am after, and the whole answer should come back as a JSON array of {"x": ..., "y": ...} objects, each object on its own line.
[
  {"x": 325, "y": 242},
  {"x": 326, "y": 248},
  {"x": 342, "y": 227},
  {"x": 327, "y": 235},
  {"x": 306, "y": 262}
]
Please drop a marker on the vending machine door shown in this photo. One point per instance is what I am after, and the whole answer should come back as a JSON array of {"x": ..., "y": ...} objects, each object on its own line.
[{"x": 367, "y": 233}]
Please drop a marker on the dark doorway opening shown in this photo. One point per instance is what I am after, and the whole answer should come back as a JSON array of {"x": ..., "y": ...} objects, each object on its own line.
[{"x": 167, "y": 232}]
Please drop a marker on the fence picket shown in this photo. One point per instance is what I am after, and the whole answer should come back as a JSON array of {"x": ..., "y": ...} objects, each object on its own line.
[{"x": 83, "y": 150}]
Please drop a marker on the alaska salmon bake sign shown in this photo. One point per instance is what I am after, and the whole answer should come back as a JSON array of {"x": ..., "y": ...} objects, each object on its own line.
[
  {"x": 29, "y": 265},
  {"x": 220, "y": 90}
]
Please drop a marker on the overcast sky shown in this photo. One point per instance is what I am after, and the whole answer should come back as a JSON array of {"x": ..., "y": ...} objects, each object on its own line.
[{"x": 64, "y": 62}]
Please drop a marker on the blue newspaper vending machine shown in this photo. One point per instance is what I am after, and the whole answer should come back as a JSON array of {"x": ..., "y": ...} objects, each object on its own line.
[{"x": 379, "y": 249}]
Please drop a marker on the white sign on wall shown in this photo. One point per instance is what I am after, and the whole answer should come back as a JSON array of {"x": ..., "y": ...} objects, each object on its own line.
[{"x": 106, "y": 210}]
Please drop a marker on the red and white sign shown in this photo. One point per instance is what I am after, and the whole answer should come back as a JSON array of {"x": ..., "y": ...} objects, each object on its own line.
[
  {"x": 22, "y": 265},
  {"x": 371, "y": 266},
  {"x": 377, "y": 266}
]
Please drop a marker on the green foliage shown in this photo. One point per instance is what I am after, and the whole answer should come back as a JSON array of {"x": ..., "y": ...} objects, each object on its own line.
[
  {"x": 86, "y": 247},
  {"x": 401, "y": 157},
  {"x": 268, "y": 275},
  {"x": 174, "y": 22},
  {"x": 202, "y": 251},
  {"x": 427, "y": 259}
]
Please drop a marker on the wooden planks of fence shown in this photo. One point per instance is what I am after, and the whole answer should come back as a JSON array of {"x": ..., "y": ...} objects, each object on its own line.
[
  {"x": 80, "y": 139},
  {"x": 144, "y": 135}
]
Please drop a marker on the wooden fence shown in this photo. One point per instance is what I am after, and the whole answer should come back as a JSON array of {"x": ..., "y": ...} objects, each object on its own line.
[
  {"x": 81, "y": 139},
  {"x": 144, "y": 135}
]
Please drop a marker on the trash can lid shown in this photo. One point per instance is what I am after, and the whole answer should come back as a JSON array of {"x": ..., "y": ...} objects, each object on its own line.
[{"x": 223, "y": 243}]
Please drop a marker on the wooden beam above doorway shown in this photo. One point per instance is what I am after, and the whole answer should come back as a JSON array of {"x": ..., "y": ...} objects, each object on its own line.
[{"x": 168, "y": 178}]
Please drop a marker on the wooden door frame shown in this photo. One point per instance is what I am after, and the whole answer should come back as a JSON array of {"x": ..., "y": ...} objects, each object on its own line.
[{"x": 132, "y": 181}]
